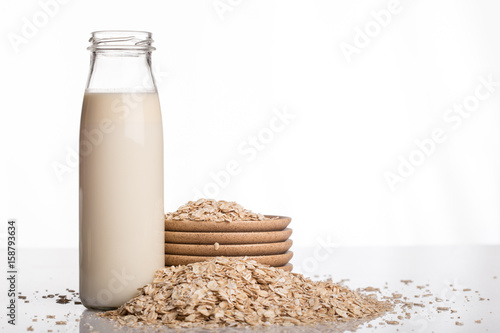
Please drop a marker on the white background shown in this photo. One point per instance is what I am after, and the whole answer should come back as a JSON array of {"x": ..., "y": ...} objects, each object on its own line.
[{"x": 223, "y": 74}]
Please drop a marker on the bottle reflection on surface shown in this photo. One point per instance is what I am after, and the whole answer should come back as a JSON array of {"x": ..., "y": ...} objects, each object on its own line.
[{"x": 89, "y": 322}]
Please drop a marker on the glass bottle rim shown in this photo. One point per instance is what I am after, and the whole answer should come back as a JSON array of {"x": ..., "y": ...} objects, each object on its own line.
[{"x": 103, "y": 40}]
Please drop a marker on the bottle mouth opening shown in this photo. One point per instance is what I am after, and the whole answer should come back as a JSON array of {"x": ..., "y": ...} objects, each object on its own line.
[{"x": 121, "y": 40}]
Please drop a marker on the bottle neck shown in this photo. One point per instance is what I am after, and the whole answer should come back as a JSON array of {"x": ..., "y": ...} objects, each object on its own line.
[{"x": 120, "y": 71}]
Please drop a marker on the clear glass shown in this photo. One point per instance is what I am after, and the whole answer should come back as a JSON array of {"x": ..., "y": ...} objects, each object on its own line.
[
  {"x": 121, "y": 171},
  {"x": 121, "y": 61}
]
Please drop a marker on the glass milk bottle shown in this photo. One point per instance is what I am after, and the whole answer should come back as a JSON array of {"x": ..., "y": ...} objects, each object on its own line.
[{"x": 121, "y": 171}]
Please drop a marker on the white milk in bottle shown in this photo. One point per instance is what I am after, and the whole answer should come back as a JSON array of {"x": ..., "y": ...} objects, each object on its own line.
[{"x": 121, "y": 171}]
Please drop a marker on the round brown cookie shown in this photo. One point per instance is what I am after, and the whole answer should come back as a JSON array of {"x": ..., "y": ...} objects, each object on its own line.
[
  {"x": 271, "y": 260},
  {"x": 288, "y": 267},
  {"x": 183, "y": 237},
  {"x": 274, "y": 223},
  {"x": 228, "y": 250}
]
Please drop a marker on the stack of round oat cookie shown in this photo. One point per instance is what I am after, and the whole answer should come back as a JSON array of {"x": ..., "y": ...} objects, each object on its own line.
[{"x": 204, "y": 229}]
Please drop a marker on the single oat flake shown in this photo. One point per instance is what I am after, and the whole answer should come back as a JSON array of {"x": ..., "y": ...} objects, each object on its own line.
[
  {"x": 239, "y": 292},
  {"x": 213, "y": 211}
]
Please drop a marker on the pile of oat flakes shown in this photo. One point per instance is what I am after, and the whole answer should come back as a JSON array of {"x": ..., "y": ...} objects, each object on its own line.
[
  {"x": 238, "y": 292},
  {"x": 213, "y": 211}
]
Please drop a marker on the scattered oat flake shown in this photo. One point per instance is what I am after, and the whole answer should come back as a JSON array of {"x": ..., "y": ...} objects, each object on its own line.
[
  {"x": 478, "y": 321},
  {"x": 406, "y": 281},
  {"x": 63, "y": 300},
  {"x": 459, "y": 323},
  {"x": 60, "y": 322},
  {"x": 392, "y": 322},
  {"x": 442, "y": 308},
  {"x": 216, "y": 246},
  {"x": 30, "y": 328},
  {"x": 51, "y": 316}
]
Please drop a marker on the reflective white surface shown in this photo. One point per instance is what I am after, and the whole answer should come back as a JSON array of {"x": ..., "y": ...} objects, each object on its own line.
[{"x": 446, "y": 270}]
